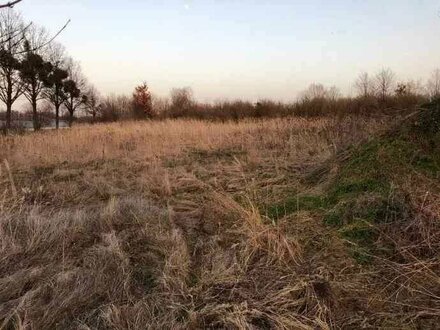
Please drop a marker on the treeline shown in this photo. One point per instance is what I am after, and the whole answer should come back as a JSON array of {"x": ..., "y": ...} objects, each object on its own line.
[
  {"x": 33, "y": 66},
  {"x": 38, "y": 69},
  {"x": 378, "y": 94}
]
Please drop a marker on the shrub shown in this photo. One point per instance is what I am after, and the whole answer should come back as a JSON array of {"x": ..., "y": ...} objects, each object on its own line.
[
  {"x": 141, "y": 103},
  {"x": 114, "y": 108},
  {"x": 182, "y": 102},
  {"x": 428, "y": 121}
]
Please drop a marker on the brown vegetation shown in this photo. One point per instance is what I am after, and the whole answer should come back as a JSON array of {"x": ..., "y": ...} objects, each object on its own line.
[
  {"x": 168, "y": 213},
  {"x": 182, "y": 105},
  {"x": 125, "y": 225},
  {"x": 170, "y": 224}
]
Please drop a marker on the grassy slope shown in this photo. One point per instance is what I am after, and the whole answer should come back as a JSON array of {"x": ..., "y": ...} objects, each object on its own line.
[
  {"x": 210, "y": 237},
  {"x": 383, "y": 201},
  {"x": 371, "y": 185}
]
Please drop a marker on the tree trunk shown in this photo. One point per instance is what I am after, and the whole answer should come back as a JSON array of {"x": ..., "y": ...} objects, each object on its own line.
[
  {"x": 71, "y": 118},
  {"x": 35, "y": 114},
  {"x": 9, "y": 106},
  {"x": 8, "y": 115},
  {"x": 57, "y": 105},
  {"x": 57, "y": 116},
  {"x": 71, "y": 110}
]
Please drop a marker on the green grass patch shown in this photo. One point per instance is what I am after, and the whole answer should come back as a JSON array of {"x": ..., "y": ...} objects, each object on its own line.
[
  {"x": 365, "y": 195},
  {"x": 296, "y": 204},
  {"x": 333, "y": 218},
  {"x": 362, "y": 238},
  {"x": 362, "y": 255},
  {"x": 352, "y": 187},
  {"x": 359, "y": 232}
]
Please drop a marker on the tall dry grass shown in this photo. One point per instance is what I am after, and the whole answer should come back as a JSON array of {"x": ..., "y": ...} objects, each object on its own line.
[
  {"x": 146, "y": 141},
  {"x": 157, "y": 225}
]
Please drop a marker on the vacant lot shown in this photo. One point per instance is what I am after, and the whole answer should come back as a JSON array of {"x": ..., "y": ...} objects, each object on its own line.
[{"x": 287, "y": 224}]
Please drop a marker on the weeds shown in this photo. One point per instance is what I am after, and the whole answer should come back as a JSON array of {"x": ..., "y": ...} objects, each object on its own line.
[{"x": 187, "y": 224}]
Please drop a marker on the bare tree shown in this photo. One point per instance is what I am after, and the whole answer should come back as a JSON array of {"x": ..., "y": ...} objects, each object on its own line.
[
  {"x": 433, "y": 85},
  {"x": 74, "y": 88},
  {"x": 415, "y": 87},
  {"x": 54, "y": 91},
  {"x": 5, "y": 37},
  {"x": 115, "y": 107},
  {"x": 364, "y": 85},
  {"x": 320, "y": 92},
  {"x": 333, "y": 93},
  {"x": 314, "y": 91},
  {"x": 161, "y": 105},
  {"x": 92, "y": 105},
  {"x": 384, "y": 83},
  {"x": 181, "y": 101},
  {"x": 34, "y": 69},
  {"x": 11, "y": 87}
]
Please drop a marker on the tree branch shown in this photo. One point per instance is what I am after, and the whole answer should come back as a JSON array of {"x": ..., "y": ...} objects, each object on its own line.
[
  {"x": 14, "y": 34},
  {"x": 53, "y": 37},
  {"x": 10, "y": 4},
  {"x": 47, "y": 42}
]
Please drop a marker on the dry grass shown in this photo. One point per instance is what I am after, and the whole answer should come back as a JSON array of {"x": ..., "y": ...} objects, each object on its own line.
[
  {"x": 159, "y": 225},
  {"x": 294, "y": 138}
]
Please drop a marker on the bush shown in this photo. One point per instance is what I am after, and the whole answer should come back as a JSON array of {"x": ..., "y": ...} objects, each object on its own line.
[
  {"x": 182, "y": 102},
  {"x": 316, "y": 101},
  {"x": 428, "y": 121},
  {"x": 141, "y": 102},
  {"x": 115, "y": 108}
]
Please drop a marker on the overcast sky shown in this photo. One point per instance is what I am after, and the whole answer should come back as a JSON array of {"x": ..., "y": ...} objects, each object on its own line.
[{"x": 247, "y": 49}]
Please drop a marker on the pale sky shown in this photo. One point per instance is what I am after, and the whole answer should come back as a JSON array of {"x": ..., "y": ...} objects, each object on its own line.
[{"x": 242, "y": 49}]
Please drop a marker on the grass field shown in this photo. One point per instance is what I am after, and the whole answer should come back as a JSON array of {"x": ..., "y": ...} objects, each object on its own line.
[{"x": 272, "y": 224}]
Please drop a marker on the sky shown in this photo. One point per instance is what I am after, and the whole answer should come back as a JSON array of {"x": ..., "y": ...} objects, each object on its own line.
[{"x": 242, "y": 49}]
